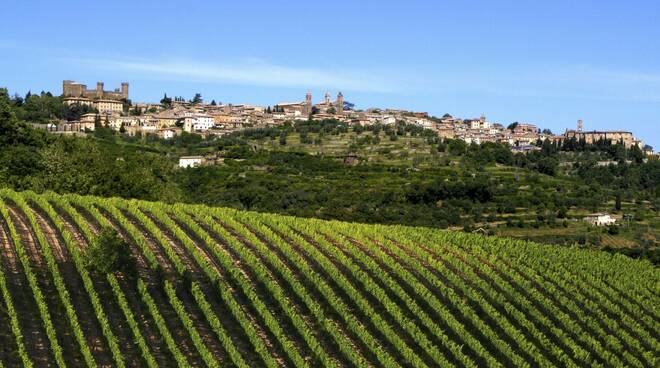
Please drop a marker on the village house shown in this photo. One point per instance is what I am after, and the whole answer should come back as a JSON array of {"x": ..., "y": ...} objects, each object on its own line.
[
  {"x": 116, "y": 122},
  {"x": 600, "y": 219},
  {"x": 190, "y": 161},
  {"x": 524, "y": 128},
  {"x": 169, "y": 133},
  {"x": 82, "y": 101},
  {"x": 198, "y": 123}
]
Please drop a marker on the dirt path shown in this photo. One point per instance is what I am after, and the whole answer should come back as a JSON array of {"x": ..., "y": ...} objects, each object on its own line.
[
  {"x": 147, "y": 325},
  {"x": 33, "y": 338},
  {"x": 200, "y": 323},
  {"x": 269, "y": 339},
  {"x": 79, "y": 298},
  {"x": 221, "y": 310},
  {"x": 113, "y": 312},
  {"x": 70, "y": 347}
]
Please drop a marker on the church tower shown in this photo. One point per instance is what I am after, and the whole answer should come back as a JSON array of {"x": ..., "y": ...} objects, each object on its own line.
[
  {"x": 124, "y": 90},
  {"x": 340, "y": 103},
  {"x": 327, "y": 98},
  {"x": 307, "y": 109}
]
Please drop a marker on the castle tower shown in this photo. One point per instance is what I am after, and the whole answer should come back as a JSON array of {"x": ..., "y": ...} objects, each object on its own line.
[
  {"x": 340, "y": 103},
  {"x": 72, "y": 89},
  {"x": 580, "y": 125},
  {"x": 124, "y": 90},
  {"x": 66, "y": 88},
  {"x": 327, "y": 98},
  {"x": 99, "y": 89}
]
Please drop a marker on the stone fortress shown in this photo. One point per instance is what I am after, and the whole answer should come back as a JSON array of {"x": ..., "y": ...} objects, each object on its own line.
[
  {"x": 74, "y": 89},
  {"x": 103, "y": 101}
]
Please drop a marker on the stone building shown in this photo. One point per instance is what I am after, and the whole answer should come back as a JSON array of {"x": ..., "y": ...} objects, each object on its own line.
[
  {"x": 303, "y": 109},
  {"x": 75, "y": 89},
  {"x": 615, "y": 136},
  {"x": 593, "y": 136},
  {"x": 102, "y": 105}
]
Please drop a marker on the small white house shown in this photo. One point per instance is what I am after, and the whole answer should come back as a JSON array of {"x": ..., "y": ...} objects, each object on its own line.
[
  {"x": 190, "y": 161},
  {"x": 600, "y": 219},
  {"x": 167, "y": 133},
  {"x": 388, "y": 119}
]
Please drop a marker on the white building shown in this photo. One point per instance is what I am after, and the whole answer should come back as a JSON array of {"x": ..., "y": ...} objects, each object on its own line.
[
  {"x": 190, "y": 161},
  {"x": 480, "y": 124},
  {"x": 600, "y": 219},
  {"x": 115, "y": 122},
  {"x": 167, "y": 133},
  {"x": 387, "y": 119},
  {"x": 198, "y": 123}
]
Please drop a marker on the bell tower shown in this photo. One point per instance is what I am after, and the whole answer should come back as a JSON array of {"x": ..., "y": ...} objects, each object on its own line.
[
  {"x": 339, "y": 108},
  {"x": 124, "y": 90},
  {"x": 99, "y": 89},
  {"x": 307, "y": 108}
]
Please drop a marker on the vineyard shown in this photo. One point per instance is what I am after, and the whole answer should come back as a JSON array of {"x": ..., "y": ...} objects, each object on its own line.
[{"x": 218, "y": 287}]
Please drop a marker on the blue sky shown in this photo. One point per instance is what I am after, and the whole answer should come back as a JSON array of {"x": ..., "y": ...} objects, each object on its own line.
[{"x": 544, "y": 62}]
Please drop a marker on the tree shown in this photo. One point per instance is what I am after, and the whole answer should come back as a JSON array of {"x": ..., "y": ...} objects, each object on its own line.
[
  {"x": 197, "y": 99},
  {"x": 166, "y": 101},
  {"x": 512, "y": 126},
  {"x": 13, "y": 131},
  {"x": 457, "y": 147},
  {"x": 636, "y": 154},
  {"x": 126, "y": 104},
  {"x": 213, "y": 103},
  {"x": 617, "y": 202},
  {"x": 109, "y": 253}
]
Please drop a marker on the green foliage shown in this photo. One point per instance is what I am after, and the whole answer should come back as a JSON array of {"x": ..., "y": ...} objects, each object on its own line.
[
  {"x": 109, "y": 253},
  {"x": 197, "y": 99}
]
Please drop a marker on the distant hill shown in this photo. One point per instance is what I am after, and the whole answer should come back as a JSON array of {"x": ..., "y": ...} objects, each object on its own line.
[{"x": 220, "y": 287}]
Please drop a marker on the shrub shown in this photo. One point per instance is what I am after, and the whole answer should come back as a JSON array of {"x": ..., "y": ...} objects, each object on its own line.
[{"x": 109, "y": 253}]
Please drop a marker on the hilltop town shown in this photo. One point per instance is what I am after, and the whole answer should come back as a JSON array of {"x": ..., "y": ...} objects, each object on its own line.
[{"x": 172, "y": 116}]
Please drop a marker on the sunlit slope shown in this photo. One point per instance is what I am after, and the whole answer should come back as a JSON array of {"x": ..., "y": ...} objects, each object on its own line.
[{"x": 218, "y": 287}]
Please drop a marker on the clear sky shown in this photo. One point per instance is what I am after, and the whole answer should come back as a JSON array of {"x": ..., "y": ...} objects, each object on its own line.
[{"x": 543, "y": 62}]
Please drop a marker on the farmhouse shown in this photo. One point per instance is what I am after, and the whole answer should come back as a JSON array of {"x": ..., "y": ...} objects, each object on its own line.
[
  {"x": 600, "y": 219},
  {"x": 190, "y": 161}
]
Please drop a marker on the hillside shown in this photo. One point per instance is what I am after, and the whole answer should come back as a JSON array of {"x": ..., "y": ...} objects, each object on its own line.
[
  {"x": 221, "y": 287},
  {"x": 394, "y": 174}
]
